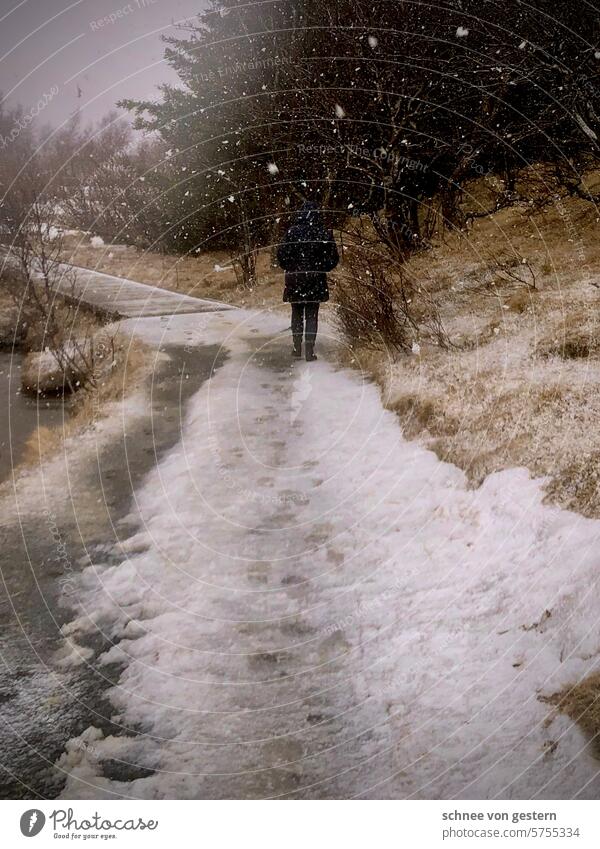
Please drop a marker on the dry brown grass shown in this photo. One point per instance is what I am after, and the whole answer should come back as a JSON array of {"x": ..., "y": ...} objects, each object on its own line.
[
  {"x": 581, "y": 702},
  {"x": 485, "y": 419},
  {"x": 520, "y": 385},
  {"x": 196, "y": 275},
  {"x": 132, "y": 365},
  {"x": 522, "y": 300},
  {"x": 419, "y": 412},
  {"x": 43, "y": 444},
  {"x": 578, "y": 484},
  {"x": 575, "y": 336}
]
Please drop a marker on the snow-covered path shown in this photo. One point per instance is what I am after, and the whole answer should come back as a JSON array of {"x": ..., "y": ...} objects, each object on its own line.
[{"x": 315, "y": 607}]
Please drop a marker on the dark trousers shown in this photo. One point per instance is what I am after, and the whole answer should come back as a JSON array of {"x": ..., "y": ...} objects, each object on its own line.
[{"x": 305, "y": 315}]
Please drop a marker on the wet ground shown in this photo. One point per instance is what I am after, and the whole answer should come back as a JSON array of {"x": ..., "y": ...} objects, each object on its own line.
[
  {"x": 310, "y": 605},
  {"x": 44, "y": 702}
]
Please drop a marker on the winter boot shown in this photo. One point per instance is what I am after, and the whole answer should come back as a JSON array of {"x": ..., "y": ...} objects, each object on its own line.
[
  {"x": 310, "y": 352},
  {"x": 297, "y": 349}
]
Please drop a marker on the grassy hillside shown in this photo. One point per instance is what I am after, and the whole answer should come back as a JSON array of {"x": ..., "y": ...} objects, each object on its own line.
[{"x": 520, "y": 383}]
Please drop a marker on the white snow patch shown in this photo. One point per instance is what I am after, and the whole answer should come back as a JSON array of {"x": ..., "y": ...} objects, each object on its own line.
[
  {"x": 72, "y": 654},
  {"x": 299, "y": 558}
]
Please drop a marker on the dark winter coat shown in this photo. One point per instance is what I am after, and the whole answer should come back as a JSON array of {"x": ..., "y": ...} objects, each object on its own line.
[{"x": 307, "y": 252}]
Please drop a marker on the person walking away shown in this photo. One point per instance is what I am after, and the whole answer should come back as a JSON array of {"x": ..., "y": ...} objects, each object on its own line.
[{"x": 308, "y": 251}]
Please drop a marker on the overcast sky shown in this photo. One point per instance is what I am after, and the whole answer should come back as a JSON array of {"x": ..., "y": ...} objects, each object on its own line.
[{"x": 66, "y": 45}]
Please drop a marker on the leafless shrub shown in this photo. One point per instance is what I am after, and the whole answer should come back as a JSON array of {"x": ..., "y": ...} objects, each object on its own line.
[
  {"x": 368, "y": 299},
  {"x": 244, "y": 265},
  {"x": 46, "y": 301},
  {"x": 123, "y": 363},
  {"x": 379, "y": 307},
  {"x": 517, "y": 270}
]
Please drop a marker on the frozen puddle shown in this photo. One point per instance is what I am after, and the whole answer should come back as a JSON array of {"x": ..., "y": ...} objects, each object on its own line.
[{"x": 317, "y": 608}]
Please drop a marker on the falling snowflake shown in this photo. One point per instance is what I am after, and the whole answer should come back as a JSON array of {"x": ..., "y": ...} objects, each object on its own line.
[
  {"x": 373, "y": 42},
  {"x": 597, "y": 54},
  {"x": 461, "y": 32},
  {"x": 272, "y": 168},
  {"x": 339, "y": 111},
  {"x": 231, "y": 198},
  {"x": 522, "y": 45}
]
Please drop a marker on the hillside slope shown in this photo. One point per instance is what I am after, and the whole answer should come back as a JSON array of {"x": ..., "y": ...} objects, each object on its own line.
[{"x": 520, "y": 382}]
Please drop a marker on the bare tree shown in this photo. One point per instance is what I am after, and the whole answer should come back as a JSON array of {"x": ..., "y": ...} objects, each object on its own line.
[{"x": 42, "y": 290}]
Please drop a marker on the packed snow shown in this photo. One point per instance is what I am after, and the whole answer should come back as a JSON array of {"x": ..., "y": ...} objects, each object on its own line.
[{"x": 313, "y": 606}]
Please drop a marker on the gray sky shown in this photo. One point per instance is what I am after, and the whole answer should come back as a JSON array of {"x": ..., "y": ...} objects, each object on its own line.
[{"x": 62, "y": 44}]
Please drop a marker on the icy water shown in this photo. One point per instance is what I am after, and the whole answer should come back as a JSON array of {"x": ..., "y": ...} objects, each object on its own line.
[{"x": 20, "y": 414}]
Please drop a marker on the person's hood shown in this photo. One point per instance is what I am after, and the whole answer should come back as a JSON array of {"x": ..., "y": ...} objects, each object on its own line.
[{"x": 309, "y": 214}]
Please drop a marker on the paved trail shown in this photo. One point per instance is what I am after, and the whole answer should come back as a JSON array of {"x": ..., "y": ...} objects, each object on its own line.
[
  {"x": 124, "y": 298},
  {"x": 303, "y": 604}
]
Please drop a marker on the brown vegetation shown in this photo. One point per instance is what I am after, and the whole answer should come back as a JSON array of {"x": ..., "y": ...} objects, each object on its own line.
[
  {"x": 581, "y": 702},
  {"x": 126, "y": 373},
  {"x": 204, "y": 275},
  {"x": 519, "y": 384}
]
